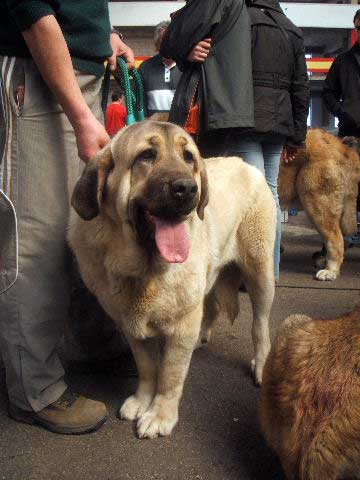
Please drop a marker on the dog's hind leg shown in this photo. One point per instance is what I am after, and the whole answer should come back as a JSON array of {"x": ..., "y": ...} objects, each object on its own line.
[
  {"x": 334, "y": 243},
  {"x": 261, "y": 289},
  {"x": 348, "y": 221},
  {"x": 211, "y": 312},
  {"x": 328, "y": 225},
  {"x": 223, "y": 297}
]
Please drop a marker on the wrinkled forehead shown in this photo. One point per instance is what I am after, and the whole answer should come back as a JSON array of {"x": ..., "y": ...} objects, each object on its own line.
[{"x": 160, "y": 136}]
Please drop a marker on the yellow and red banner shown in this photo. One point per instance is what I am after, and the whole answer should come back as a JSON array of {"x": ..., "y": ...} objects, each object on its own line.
[
  {"x": 319, "y": 65},
  {"x": 314, "y": 65}
]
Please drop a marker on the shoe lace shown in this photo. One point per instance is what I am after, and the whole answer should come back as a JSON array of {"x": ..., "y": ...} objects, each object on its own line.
[{"x": 67, "y": 399}]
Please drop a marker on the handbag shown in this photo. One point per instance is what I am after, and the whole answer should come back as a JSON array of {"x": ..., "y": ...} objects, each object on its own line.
[
  {"x": 186, "y": 108},
  {"x": 192, "y": 123}
]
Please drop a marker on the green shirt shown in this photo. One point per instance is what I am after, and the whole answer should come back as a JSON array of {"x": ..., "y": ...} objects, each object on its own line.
[{"x": 84, "y": 23}]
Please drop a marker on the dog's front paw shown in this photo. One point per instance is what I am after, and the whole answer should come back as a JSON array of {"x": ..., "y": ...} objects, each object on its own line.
[
  {"x": 134, "y": 407},
  {"x": 326, "y": 275},
  {"x": 157, "y": 423}
]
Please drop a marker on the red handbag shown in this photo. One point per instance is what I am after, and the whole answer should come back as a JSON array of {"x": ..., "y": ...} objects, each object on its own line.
[{"x": 193, "y": 119}]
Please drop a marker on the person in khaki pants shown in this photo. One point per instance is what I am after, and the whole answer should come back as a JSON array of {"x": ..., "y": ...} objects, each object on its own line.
[{"x": 50, "y": 83}]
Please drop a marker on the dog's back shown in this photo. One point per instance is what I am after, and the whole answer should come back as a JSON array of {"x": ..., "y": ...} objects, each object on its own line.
[{"x": 310, "y": 404}]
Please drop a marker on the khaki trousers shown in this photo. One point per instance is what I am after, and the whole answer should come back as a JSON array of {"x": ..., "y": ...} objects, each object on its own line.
[{"x": 39, "y": 167}]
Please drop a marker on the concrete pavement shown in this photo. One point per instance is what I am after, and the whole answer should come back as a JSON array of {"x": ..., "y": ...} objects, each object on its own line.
[{"x": 218, "y": 436}]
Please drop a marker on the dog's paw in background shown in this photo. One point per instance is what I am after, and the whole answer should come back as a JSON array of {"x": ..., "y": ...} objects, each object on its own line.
[
  {"x": 319, "y": 259},
  {"x": 135, "y": 407},
  {"x": 326, "y": 275},
  {"x": 204, "y": 337},
  {"x": 158, "y": 421}
]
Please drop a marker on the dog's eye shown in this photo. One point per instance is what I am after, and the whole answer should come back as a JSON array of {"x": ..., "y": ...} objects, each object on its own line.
[
  {"x": 188, "y": 156},
  {"x": 148, "y": 155}
]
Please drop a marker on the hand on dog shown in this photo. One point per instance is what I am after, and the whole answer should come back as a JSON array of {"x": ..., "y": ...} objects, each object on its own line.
[
  {"x": 288, "y": 153},
  {"x": 200, "y": 52}
]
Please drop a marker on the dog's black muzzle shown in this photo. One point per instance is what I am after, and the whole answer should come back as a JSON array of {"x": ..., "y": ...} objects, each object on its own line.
[{"x": 171, "y": 198}]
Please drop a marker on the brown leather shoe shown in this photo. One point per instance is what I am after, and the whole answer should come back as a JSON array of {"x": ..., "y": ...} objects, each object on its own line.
[{"x": 71, "y": 414}]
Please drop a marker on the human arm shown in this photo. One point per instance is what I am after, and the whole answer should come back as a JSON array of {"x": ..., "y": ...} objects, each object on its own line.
[
  {"x": 332, "y": 89},
  {"x": 59, "y": 74},
  {"x": 332, "y": 95},
  {"x": 189, "y": 26},
  {"x": 300, "y": 97}
]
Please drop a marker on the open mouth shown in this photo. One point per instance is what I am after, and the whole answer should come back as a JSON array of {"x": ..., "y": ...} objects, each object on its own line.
[{"x": 167, "y": 236}]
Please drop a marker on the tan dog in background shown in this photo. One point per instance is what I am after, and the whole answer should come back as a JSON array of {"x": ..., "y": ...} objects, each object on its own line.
[
  {"x": 323, "y": 180},
  {"x": 310, "y": 398},
  {"x": 156, "y": 235}
]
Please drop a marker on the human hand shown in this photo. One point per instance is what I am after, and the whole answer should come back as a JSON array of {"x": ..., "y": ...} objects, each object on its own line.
[
  {"x": 91, "y": 137},
  {"x": 289, "y": 153},
  {"x": 120, "y": 49},
  {"x": 200, "y": 52}
]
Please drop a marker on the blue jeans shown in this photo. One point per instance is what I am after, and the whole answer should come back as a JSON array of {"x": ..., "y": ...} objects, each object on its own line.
[{"x": 264, "y": 155}]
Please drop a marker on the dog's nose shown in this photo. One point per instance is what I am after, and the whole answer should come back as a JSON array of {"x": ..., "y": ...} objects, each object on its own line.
[{"x": 184, "y": 189}]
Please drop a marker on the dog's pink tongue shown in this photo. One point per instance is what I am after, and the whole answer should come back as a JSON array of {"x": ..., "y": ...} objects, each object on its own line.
[{"x": 172, "y": 241}]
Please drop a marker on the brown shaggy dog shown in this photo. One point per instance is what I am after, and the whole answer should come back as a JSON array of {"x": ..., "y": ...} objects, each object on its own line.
[
  {"x": 310, "y": 399},
  {"x": 323, "y": 180}
]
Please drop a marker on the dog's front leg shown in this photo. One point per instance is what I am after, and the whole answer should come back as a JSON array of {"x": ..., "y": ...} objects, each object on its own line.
[
  {"x": 162, "y": 416},
  {"x": 146, "y": 356}
]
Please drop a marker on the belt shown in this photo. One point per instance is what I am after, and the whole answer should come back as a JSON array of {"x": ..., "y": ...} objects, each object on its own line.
[{"x": 272, "y": 80}]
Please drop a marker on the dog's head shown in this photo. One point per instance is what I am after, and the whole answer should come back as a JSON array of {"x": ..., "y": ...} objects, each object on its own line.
[
  {"x": 352, "y": 142},
  {"x": 151, "y": 175}
]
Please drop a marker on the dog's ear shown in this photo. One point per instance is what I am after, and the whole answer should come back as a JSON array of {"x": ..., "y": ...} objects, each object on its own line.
[
  {"x": 352, "y": 142},
  {"x": 204, "y": 195},
  {"x": 88, "y": 192}
]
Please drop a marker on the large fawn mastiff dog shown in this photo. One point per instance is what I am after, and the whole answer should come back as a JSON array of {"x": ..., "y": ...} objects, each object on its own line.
[{"x": 160, "y": 239}]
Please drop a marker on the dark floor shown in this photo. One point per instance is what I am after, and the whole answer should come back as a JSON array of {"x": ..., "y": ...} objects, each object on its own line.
[{"x": 217, "y": 437}]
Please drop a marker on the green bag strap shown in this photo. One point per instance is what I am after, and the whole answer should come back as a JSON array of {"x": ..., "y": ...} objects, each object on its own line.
[{"x": 134, "y": 100}]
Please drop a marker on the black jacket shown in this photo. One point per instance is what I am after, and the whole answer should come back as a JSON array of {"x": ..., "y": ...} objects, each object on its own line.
[
  {"x": 281, "y": 84},
  {"x": 341, "y": 92},
  {"x": 226, "y": 91}
]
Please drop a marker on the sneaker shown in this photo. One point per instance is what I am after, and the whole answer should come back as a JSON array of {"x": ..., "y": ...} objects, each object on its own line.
[{"x": 70, "y": 414}]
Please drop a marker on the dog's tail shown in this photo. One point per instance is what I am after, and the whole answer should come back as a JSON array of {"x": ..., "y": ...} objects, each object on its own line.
[
  {"x": 289, "y": 325},
  {"x": 287, "y": 180},
  {"x": 348, "y": 223}
]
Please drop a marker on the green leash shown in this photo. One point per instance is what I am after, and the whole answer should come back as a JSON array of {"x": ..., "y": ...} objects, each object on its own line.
[{"x": 134, "y": 96}]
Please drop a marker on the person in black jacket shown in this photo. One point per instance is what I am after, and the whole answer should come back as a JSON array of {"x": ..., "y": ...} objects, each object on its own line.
[
  {"x": 281, "y": 97},
  {"x": 341, "y": 92},
  {"x": 222, "y": 73},
  {"x": 211, "y": 43}
]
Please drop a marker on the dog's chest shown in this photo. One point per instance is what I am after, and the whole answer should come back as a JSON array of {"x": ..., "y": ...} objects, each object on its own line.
[{"x": 154, "y": 307}]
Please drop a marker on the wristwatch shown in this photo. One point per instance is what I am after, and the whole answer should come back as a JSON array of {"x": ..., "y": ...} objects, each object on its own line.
[{"x": 113, "y": 30}]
